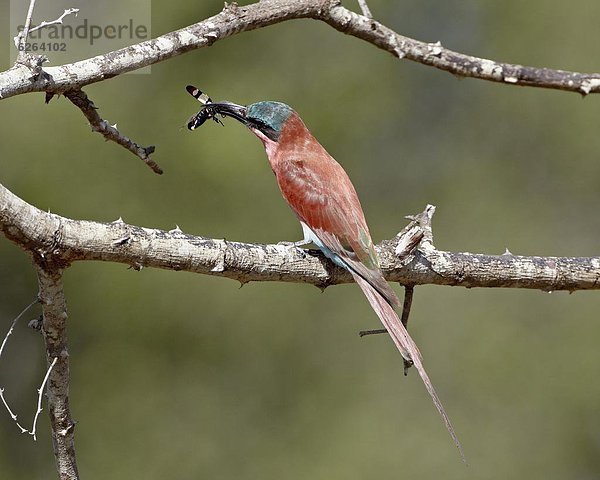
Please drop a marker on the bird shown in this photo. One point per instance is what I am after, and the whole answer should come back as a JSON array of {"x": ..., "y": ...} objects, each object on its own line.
[{"x": 321, "y": 194}]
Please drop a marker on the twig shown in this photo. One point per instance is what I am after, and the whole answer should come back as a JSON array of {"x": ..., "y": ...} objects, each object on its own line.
[
  {"x": 40, "y": 391},
  {"x": 10, "y": 412},
  {"x": 365, "y": 8},
  {"x": 80, "y": 99},
  {"x": 10, "y": 330},
  {"x": 408, "y": 296},
  {"x": 59, "y": 20},
  {"x": 21, "y": 38},
  {"x": 377, "y": 331}
]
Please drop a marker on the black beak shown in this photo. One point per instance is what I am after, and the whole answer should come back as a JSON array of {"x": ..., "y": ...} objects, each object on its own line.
[
  {"x": 211, "y": 110},
  {"x": 240, "y": 113},
  {"x": 233, "y": 110},
  {"x": 229, "y": 109}
]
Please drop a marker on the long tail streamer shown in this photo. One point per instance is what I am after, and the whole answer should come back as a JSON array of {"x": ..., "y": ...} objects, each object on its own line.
[{"x": 407, "y": 347}]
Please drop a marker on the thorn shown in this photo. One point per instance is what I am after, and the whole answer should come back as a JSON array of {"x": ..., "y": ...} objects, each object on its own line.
[
  {"x": 436, "y": 48},
  {"x": 176, "y": 229},
  {"x": 507, "y": 251},
  {"x": 588, "y": 85}
]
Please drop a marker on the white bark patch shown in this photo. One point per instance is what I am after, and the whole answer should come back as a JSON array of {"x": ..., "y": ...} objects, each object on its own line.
[
  {"x": 491, "y": 69},
  {"x": 186, "y": 38},
  {"x": 588, "y": 85}
]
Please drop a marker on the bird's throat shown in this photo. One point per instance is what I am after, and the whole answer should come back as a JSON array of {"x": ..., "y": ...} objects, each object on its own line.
[{"x": 270, "y": 145}]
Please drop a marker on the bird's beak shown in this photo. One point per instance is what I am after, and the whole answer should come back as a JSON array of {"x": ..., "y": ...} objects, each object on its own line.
[{"x": 232, "y": 110}]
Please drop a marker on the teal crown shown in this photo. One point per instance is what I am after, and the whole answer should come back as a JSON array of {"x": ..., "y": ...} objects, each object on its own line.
[{"x": 271, "y": 114}]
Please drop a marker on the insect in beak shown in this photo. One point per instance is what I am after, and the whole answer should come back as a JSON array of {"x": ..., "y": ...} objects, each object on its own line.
[
  {"x": 205, "y": 113},
  {"x": 211, "y": 109}
]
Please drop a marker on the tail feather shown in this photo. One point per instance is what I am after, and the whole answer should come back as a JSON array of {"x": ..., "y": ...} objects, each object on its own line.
[{"x": 406, "y": 346}]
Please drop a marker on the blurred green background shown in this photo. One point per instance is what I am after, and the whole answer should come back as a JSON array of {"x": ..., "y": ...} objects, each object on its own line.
[{"x": 177, "y": 375}]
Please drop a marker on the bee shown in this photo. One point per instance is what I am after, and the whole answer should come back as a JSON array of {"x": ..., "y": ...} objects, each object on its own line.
[{"x": 207, "y": 111}]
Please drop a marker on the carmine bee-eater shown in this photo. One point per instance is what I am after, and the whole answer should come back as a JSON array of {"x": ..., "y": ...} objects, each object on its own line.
[{"x": 323, "y": 198}]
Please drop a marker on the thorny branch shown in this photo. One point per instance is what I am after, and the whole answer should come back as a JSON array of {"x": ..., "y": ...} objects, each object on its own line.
[
  {"x": 40, "y": 393},
  {"x": 110, "y": 132},
  {"x": 63, "y": 241},
  {"x": 235, "y": 19},
  {"x": 32, "y": 432}
]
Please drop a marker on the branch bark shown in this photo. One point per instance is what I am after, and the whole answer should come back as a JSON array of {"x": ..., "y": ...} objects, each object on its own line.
[
  {"x": 62, "y": 241},
  {"x": 80, "y": 99},
  {"x": 54, "y": 325}
]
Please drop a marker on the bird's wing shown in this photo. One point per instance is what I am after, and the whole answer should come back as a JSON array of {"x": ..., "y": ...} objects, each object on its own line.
[{"x": 333, "y": 213}]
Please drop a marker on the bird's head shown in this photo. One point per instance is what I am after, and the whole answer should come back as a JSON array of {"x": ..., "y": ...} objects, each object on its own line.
[{"x": 265, "y": 119}]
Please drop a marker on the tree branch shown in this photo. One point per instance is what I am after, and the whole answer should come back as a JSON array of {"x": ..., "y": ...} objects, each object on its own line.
[
  {"x": 52, "y": 298},
  {"x": 21, "y": 38},
  {"x": 110, "y": 132},
  {"x": 366, "y": 11},
  {"x": 27, "y": 75},
  {"x": 54, "y": 242},
  {"x": 435, "y": 55},
  {"x": 62, "y": 241},
  {"x": 58, "y": 21},
  {"x": 233, "y": 20}
]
